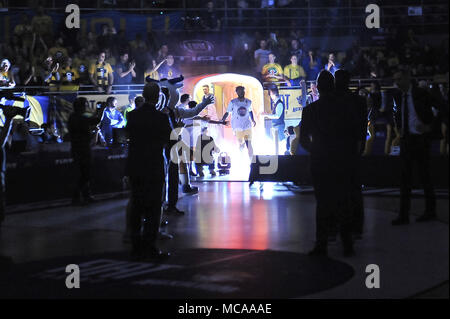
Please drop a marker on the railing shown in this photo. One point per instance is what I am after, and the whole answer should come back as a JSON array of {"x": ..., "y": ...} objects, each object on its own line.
[
  {"x": 137, "y": 88},
  {"x": 310, "y": 17}
]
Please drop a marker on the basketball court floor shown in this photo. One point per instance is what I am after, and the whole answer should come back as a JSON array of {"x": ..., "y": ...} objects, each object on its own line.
[{"x": 235, "y": 241}]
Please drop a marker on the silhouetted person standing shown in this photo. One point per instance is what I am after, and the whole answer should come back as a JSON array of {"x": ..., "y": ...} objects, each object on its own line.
[
  {"x": 4, "y": 133},
  {"x": 413, "y": 117},
  {"x": 81, "y": 126},
  {"x": 359, "y": 106},
  {"x": 149, "y": 131},
  {"x": 328, "y": 132}
]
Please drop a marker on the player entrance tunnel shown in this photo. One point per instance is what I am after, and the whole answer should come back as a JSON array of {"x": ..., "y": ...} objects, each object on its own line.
[{"x": 223, "y": 86}]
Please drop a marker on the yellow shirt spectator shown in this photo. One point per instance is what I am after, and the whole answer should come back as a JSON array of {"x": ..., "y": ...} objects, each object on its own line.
[
  {"x": 100, "y": 72},
  {"x": 294, "y": 72},
  {"x": 69, "y": 75},
  {"x": 42, "y": 24},
  {"x": 272, "y": 72}
]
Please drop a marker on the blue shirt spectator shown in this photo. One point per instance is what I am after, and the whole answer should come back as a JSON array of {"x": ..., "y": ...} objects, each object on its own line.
[
  {"x": 332, "y": 66},
  {"x": 312, "y": 65},
  {"x": 169, "y": 71},
  {"x": 125, "y": 70}
]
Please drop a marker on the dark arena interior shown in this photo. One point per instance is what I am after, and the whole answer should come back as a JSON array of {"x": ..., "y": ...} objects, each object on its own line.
[{"x": 212, "y": 153}]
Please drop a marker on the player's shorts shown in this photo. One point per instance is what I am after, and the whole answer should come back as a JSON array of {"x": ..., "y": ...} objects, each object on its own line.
[{"x": 243, "y": 136}]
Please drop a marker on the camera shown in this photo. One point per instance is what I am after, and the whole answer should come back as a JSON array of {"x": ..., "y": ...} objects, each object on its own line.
[
  {"x": 13, "y": 111},
  {"x": 101, "y": 105}
]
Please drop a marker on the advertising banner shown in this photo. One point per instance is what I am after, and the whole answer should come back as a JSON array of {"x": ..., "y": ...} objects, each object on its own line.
[{"x": 292, "y": 99}]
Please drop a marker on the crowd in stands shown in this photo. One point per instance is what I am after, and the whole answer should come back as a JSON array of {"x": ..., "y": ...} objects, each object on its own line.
[
  {"x": 36, "y": 55},
  {"x": 286, "y": 56}
]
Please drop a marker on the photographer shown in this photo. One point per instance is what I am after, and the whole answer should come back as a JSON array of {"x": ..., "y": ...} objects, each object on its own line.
[
  {"x": 6, "y": 76},
  {"x": 111, "y": 119},
  {"x": 81, "y": 127}
]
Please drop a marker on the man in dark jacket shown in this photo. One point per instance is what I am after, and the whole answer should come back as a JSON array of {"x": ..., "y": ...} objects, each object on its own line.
[
  {"x": 9, "y": 113},
  {"x": 359, "y": 105},
  {"x": 414, "y": 117},
  {"x": 149, "y": 132},
  {"x": 81, "y": 126},
  {"x": 329, "y": 129}
]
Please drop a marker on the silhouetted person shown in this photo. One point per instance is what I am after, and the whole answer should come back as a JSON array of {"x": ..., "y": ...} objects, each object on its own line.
[
  {"x": 277, "y": 117},
  {"x": 328, "y": 132},
  {"x": 413, "y": 117},
  {"x": 4, "y": 133},
  {"x": 359, "y": 107},
  {"x": 177, "y": 168},
  {"x": 148, "y": 131},
  {"x": 81, "y": 126}
]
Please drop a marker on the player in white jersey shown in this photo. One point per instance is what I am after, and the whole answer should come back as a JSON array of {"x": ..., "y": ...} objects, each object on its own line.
[{"x": 242, "y": 119}]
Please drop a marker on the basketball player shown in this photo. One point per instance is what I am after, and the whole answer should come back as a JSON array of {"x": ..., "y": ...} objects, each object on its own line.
[{"x": 241, "y": 120}]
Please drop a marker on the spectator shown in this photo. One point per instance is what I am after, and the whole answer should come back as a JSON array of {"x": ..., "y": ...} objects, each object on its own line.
[
  {"x": 261, "y": 56},
  {"x": 15, "y": 48},
  {"x": 311, "y": 64},
  {"x": 105, "y": 40},
  {"x": 293, "y": 72},
  {"x": 142, "y": 58},
  {"x": 243, "y": 57},
  {"x": 313, "y": 96},
  {"x": 121, "y": 41},
  {"x": 272, "y": 72},
  {"x": 50, "y": 72},
  {"x": 42, "y": 24},
  {"x": 110, "y": 58},
  {"x": 152, "y": 72},
  {"x": 296, "y": 50},
  {"x": 101, "y": 74},
  {"x": 91, "y": 43},
  {"x": 332, "y": 66},
  {"x": 24, "y": 31},
  {"x": 81, "y": 62},
  {"x": 58, "y": 52},
  {"x": 162, "y": 53},
  {"x": 210, "y": 20},
  {"x": 28, "y": 74},
  {"x": 69, "y": 73},
  {"x": 137, "y": 43},
  {"x": 125, "y": 70},
  {"x": 169, "y": 71}
]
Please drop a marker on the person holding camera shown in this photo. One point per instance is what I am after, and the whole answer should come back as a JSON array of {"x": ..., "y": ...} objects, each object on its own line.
[
  {"x": 81, "y": 127},
  {"x": 111, "y": 119},
  {"x": 6, "y": 76}
]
